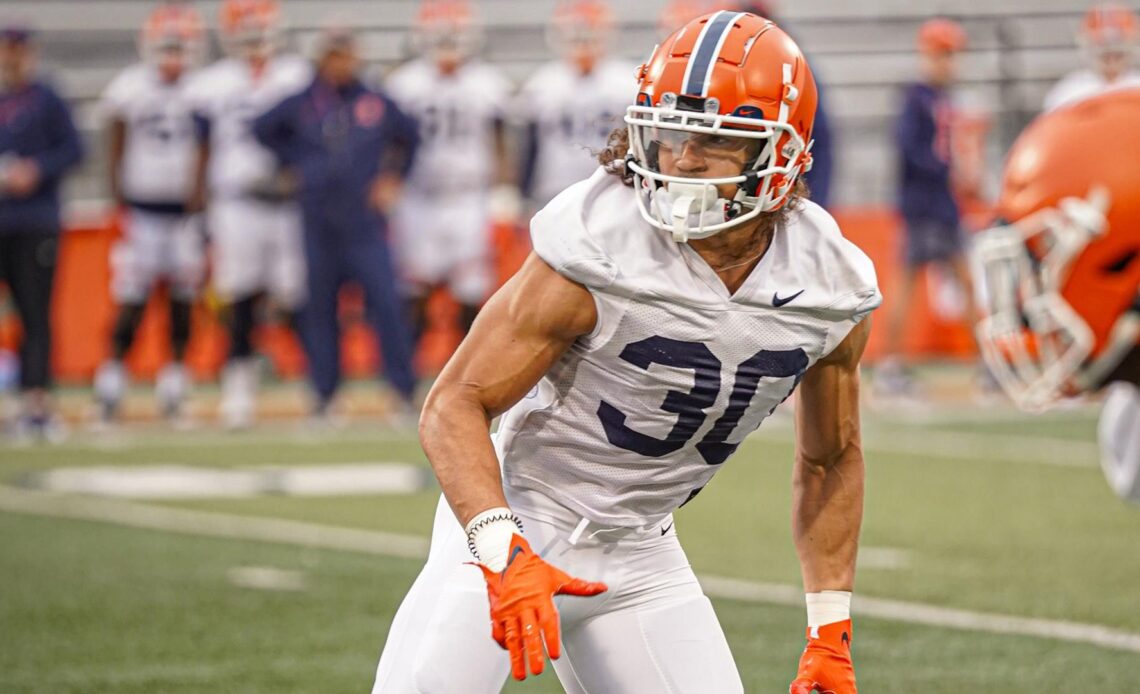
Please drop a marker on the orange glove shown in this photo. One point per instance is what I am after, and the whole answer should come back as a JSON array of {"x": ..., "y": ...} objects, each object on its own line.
[
  {"x": 523, "y": 615},
  {"x": 826, "y": 666}
]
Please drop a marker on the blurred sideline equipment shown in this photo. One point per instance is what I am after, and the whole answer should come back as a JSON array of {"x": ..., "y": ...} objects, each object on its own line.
[
  {"x": 1063, "y": 273},
  {"x": 570, "y": 105},
  {"x": 442, "y": 224},
  {"x": 347, "y": 144},
  {"x": 254, "y": 222},
  {"x": 153, "y": 151},
  {"x": 1107, "y": 40},
  {"x": 595, "y": 327},
  {"x": 38, "y": 146}
]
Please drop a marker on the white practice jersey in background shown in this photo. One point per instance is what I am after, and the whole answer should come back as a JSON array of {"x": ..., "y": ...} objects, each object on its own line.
[
  {"x": 456, "y": 115},
  {"x": 636, "y": 417},
  {"x": 228, "y": 95},
  {"x": 1119, "y": 434},
  {"x": 1080, "y": 85},
  {"x": 574, "y": 115},
  {"x": 161, "y": 146}
]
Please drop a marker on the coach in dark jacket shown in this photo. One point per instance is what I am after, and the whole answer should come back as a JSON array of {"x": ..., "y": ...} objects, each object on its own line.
[
  {"x": 38, "y": 145},
  {"x": 349, "y": 146},
  {"x": 932, "y": 232}
]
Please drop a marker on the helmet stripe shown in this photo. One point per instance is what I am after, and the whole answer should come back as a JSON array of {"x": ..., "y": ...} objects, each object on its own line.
[{"x": 705, "y": 52}]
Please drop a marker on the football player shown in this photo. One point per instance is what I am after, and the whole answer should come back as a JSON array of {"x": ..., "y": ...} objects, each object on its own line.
[
  {"x": 442, "y": 222},
  {"x": 1107, "y": 39},
  {"x": 254, "y": 221},
  {"x": 570, "y": 105},
  {"x": 152, "y": 163},
  {"x": 673, "y": 300},
  {"x": 1062, "y": 272}
]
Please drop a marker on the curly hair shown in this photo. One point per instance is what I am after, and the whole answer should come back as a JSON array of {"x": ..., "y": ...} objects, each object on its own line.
[{"x": 612, "y": 159}]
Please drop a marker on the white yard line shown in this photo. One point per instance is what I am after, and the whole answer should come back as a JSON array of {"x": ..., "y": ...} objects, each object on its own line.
[
  {"x": 410, "y": 547},
  {"x": 953, "y": 445}
]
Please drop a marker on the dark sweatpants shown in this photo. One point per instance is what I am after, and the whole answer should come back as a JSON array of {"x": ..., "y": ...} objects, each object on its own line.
[
  {"x": 27, "y": 266},
  {"x": 332, "y": 260}
]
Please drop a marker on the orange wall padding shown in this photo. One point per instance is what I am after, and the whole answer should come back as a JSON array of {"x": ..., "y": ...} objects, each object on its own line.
[{"x": 83, "y": 314}]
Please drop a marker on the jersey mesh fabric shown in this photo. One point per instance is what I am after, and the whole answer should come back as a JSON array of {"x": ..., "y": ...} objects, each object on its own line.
[{"x": 637, "y": 416}]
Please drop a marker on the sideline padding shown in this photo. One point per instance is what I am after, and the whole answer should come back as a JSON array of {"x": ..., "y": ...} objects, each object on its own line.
[{"x": 83, "y": 314}]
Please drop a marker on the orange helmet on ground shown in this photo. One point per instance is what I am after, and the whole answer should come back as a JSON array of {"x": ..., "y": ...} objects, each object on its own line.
[
  {"x": 1108, "y": 28},
  {"x": 725, "y": 81},
  {"x": 581, "y": 25},
  {"x": 173, "y": 28},
  {"x": 1063, "y": 276},
  {"x": 445, "y": 26},
  {"x": 250, "y": 26},
  {"x": 941, "y": 36}
]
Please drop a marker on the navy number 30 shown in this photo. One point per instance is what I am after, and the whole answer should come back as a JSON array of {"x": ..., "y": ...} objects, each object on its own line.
[{"x": 690, "y": 407}]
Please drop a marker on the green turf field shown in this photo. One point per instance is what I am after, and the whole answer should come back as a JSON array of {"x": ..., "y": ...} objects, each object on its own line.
[{"x": 959, "y": 515}]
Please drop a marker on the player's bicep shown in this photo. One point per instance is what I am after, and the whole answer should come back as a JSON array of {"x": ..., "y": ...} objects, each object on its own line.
[
  {"x": 520, "y": 333},
  {"x": 827, "y": 411}
]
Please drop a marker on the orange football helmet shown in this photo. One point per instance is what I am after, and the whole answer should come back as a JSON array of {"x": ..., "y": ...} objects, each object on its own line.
[
  {"x": 941, "y": 36},
  {"x": 727, "y": 80},
  {"x": 250, "y": 27},
  {"x": 1062, "y": 276},
  {"x": 1108, "y": 28},
  {"x": 447, "y": 29},
  {"x": 173, "y": 31},
  {"x": 580, "y": 29}
]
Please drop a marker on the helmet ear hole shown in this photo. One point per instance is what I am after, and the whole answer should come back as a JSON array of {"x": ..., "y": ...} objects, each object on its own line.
[{"x": 1122, "y": 263}]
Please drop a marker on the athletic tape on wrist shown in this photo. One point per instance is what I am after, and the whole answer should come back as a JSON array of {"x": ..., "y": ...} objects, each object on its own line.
[
  {"x": 486, "y": 519},
  {"x": 828, "y": 607}
]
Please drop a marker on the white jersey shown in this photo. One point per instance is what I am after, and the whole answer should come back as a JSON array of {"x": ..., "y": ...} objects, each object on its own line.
[
  {"x": 574, "y": 115},
  {"x": 456, "y": 115},
  {"x": 636, "y": 417},
  {"x": 160, "y": 148},
  {"x": 229, "y": 96},
  {"x": 1080, "y": 85}
]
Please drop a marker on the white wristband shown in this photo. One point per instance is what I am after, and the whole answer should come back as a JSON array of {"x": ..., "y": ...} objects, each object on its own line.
[
  {"x": 828, "y": 607},
  {"x": 489, "y": 536}
]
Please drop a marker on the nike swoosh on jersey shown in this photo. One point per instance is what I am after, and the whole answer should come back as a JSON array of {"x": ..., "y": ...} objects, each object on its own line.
[{"x": 778, "y": 302}]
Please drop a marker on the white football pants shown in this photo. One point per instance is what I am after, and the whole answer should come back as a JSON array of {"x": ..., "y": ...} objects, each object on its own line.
[
  {"x": 652, "y": 631},
  {"x": 1119, "y": 433},
  {"x": 154, "y": 247}
]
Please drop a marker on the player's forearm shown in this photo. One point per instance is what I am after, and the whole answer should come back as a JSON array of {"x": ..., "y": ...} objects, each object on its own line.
[
  {"x": 827, "y": 512},
  {"x": 454, "y": 432}
]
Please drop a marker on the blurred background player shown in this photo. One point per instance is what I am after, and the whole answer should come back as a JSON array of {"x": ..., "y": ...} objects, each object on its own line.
[
  {"x": 1107, "y": 40},
  {"x": 678, "y": 13},
  {"x": 932, "y": 225},
  {"x": 254, "y": 221},
  {"x": 571, "y": 104},
  {"x": 153, "y": 151},
  {"x": 819, "y": 176},
  {"x": 442, "y": 224},
  {"x": 1063, "y": 273},
  {"x": 350, "y": 146},
  {"x": 38, "y": 146}
]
